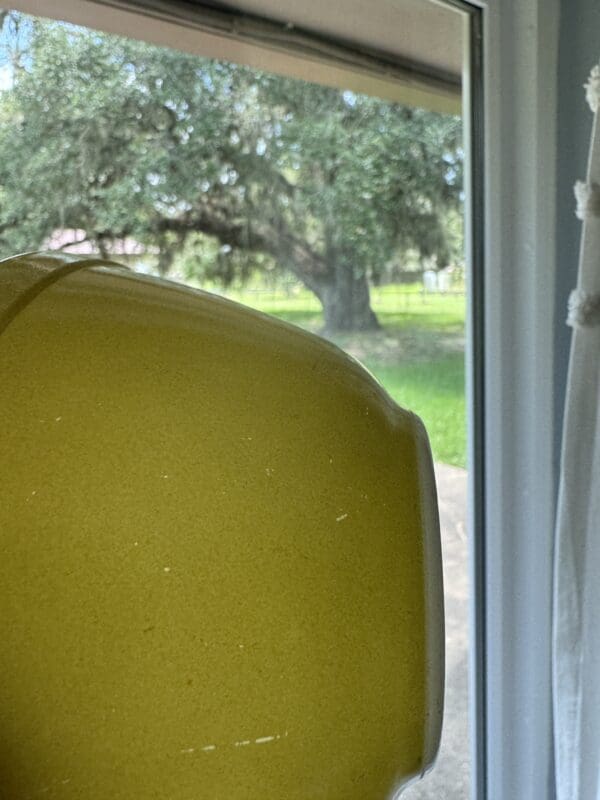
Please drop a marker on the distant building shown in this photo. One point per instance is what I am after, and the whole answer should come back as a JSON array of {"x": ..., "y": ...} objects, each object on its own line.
[
  {"x": 430, "y": 280},
  {"x": 128, "y": 250}
]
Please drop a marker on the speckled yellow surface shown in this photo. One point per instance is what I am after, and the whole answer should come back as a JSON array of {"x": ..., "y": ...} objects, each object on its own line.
[{"x": 219, "y": 555}]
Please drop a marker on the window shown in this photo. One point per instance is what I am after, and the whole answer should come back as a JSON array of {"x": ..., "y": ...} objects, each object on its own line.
[{"x": 292, "y": 60}]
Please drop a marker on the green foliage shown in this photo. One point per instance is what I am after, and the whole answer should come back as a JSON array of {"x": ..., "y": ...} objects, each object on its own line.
[
  {"x": 222, "y": 168},
  {"x": 116, "y": 135}
]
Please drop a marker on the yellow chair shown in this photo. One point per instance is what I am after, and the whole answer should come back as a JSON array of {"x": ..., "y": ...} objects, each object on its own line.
[{"x": 220, "y": 566}]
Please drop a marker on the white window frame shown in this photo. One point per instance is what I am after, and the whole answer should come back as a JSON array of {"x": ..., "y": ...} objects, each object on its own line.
[{"x": 513, "y": 499}]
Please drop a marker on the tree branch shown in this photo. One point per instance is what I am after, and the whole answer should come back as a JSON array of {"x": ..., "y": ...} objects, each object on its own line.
[{"x": 277, "y": 242}]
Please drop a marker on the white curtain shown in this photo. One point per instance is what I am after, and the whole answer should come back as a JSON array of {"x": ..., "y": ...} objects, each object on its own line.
[{"x": 576, "y": 657}]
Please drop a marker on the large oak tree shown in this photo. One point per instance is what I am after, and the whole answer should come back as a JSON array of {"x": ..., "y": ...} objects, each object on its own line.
[{"x": 119, "y": 138}]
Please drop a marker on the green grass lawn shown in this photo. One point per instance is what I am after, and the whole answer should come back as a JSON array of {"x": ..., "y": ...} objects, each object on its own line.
[
  {"x": 435, "y": 391},
  {"x": 418, "y": 356}
]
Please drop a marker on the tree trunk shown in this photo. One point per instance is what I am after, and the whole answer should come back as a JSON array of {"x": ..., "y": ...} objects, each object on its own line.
[
  {"x": 342, "y": 290},
  {"x": 346, "y": 302}
]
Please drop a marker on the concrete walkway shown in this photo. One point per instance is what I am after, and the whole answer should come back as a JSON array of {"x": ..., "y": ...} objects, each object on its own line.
[{"x": 449, "y": 779}]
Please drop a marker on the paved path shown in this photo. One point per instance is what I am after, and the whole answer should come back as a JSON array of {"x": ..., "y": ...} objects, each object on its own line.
[{"x": 449, "y": 779}]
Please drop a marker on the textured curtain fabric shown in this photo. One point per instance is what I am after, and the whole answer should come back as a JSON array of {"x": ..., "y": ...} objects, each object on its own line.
[{"x": 576, "y": 657}]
